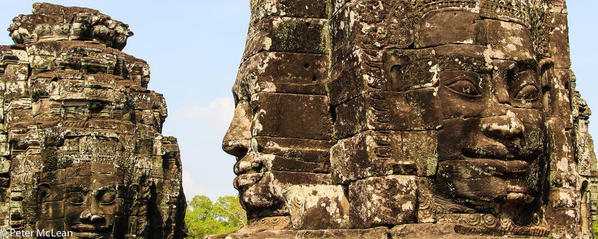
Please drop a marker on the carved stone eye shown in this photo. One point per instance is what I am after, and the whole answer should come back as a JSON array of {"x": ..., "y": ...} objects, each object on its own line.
[
  {"x": 464, "y": 87},
  {"x": 75, "y": 198},
  {"x": 528, "y": 93},
  {"x": 107, "y": 197}
]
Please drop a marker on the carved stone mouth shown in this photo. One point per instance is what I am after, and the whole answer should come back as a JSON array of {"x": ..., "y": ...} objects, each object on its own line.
[
  {"x": 501, "y": 166},
  {"x": 244, "y": 181},
  {"x": 87, "y": 235},
  {"x": 519, "y": 197},
  {"x": 493, "y": 151},
  {"x": 471, "y": 168},
  {"x": 89, "y": 228},
  {"x": 247, "y": 165}
]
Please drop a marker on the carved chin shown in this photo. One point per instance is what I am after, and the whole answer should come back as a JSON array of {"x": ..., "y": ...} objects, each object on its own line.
[
  {"x": 91, "y": 229},
  {"x": 262, "y": 194},
  {"x": 87, "y": 235}
]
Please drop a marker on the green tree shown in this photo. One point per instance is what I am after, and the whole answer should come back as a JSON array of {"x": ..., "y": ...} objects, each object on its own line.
[{"x": 205, "y": 217}]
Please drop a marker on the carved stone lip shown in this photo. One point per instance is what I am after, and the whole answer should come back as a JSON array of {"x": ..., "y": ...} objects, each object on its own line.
[
  {"x": 89, "y": 228},
  {"x": 247, "y": 180},
  {"x": 519, "y": 197},
  {"x": 501, "y": 165},
  {"x": 87, "y": 235}
]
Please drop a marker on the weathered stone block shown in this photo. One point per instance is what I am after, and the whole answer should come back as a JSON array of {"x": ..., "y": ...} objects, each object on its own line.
[
  {"x": 379, "y": 201},
  {"x": 432, "y": 31},
  {"x": 263, "y": 224},
  {"x": 375, "y": 153},
  {"x": 370, "y": 26},
  {"x": 509, "y": 40},
  {"x": 564, "y": 223},
  {"x": 287, "y": 34},
  {"x": 349, "y": 79},
  {"x": 425, "y": 200},
  {"x": 562, "y": 164},
  {"x": 277, "y": 72},
  {"x": 288, "y": 8},
  {"x": 560, "y": 97},
  {"x": 412, "y": 110},
  {"x": 4, "y": 149},
  {"x": 317, "y": 206},
  {"x": 584, "y": 151},
  {"x": 421, "y": 147},
  {"x": 4, "y": 165},
  {"x": 297, "y": 155},
  {"x": 292, "y": 164},
  {"x": 297, "y": 178},
  {"x": 291, "y": 116},
  {"x": 558, "y": 45},
  {"x": 451, "y": 231},
  {"x": 563, "y": 198},
  {"x": 372, "y": 233},
  {"x": 87, "y": 58}
]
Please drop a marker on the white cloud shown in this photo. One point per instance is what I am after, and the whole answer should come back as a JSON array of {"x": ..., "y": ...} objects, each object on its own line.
[
  {"x": 190, "y": 187},
  {"x": 218, "y": 113}
]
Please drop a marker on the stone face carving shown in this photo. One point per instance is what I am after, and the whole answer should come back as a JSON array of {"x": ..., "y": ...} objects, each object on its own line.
[
  {"x": 82, "y": 149},
  {"x": 451, "y": 119}
]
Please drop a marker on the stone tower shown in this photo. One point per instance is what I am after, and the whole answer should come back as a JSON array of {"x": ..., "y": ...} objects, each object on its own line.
[
  {"x": 80, "y": 136},
  {"x": 411, "y": 119}
]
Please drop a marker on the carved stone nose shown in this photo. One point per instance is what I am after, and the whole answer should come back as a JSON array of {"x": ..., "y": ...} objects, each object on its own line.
[
  {"x": 96, "y": 218},
  {"x": 89, "y": 217},
  {"x": 504, "y": 126},
  {"x": 237, "y": 138},
  {"x": 86, "y": 214}
]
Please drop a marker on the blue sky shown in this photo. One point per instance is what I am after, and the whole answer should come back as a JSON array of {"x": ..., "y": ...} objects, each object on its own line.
[{"x": 194, "y": 49}]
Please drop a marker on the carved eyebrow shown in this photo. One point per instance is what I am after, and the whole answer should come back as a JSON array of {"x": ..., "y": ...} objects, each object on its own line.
[
  {"x": 76, "y": 189},
  {"x": 105, "y": 188},
  {"x": 525, "y": 65},
  {"x": 109, "y": 187}
]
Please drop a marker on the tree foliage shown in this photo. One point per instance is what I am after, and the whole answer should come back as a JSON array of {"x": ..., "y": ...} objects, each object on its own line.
[{"x": 205, "y": 217}]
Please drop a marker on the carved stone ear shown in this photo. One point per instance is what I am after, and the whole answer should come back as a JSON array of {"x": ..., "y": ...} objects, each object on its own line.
[
  {"x": 43, "y": 192},
  {"x": 546, "y": 66},
  {"x": 393, "y": 67},
  {"x": 133, "y": 191}
]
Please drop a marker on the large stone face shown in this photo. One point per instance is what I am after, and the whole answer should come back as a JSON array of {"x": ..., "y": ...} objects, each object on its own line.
[
  {"x": 81, "y": 141},
  {"x": 436, "y": 118}
]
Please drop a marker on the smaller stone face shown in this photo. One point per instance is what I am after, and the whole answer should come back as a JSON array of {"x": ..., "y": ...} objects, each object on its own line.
[
  {"x": 378, "y": 201},
  {"x": 81, "y": 147},
  {"x": 317, "y": 206},
  {"x": 91, "y": 200}
]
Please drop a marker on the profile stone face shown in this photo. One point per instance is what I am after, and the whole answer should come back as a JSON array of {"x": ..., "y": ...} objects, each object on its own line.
[
  {"x": 81, "y": 143},
  {"x": 411, "y": 119}
]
